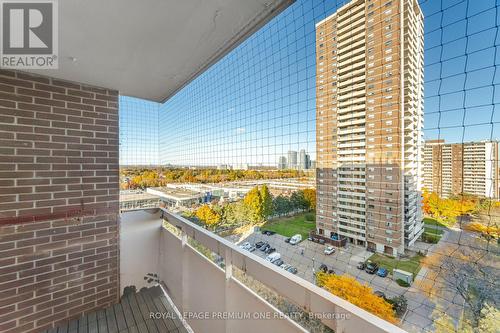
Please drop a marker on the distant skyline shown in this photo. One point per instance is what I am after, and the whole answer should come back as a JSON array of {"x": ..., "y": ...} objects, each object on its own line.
[{"x": 258, "y": 102}]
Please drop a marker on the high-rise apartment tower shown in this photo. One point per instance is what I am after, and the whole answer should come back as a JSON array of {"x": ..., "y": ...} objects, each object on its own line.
[
  {"x": 292, "y": 159},
  {"x": 455, "y": 168},
  {"x": 369, "y": 108}
]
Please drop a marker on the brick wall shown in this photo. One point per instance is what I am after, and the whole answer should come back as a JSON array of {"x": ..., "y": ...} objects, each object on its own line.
[{"x": 58, "y": 200}]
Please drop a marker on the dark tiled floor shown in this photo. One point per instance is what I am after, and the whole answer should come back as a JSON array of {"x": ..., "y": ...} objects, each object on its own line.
[{"x": 131, "y": 315}]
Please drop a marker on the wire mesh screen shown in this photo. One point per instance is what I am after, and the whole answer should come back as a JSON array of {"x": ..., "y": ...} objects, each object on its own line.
[
  {"x": 139, "y": 139},
  {"x": 388, "y": 110}
]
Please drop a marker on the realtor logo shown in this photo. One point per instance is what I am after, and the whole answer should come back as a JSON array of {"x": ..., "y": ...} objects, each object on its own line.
[{"x": 28, "y": 34}]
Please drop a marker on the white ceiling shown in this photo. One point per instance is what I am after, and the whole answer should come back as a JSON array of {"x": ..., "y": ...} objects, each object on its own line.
[{"x": 152, "y": 48}]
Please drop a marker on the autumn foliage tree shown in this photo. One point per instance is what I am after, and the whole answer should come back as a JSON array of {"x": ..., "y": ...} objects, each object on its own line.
[
  {"x": 361, "y": 295},
  {"x": 310, "y": 197},
  {"x": 208, "y": 216},
  {"x": 141, "y": 178},
  {"x": 267, "y": 201},
  {"x": 259, "y": 203},
  {"x": 446, "y": 210},
  {"x": 487, "y": 231}
]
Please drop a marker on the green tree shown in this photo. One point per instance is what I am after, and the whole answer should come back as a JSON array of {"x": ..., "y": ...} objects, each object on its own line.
[
  {"x": 281, "y": 205},
  {"x": 235, "y": 213},
  {"x": 298, "y": 200}
]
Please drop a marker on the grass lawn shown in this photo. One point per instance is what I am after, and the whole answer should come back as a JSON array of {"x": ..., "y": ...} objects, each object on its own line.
[
  {"x": 433, "y": 231},
  {"x": 411, "y": 265},
  {"x": 429, "y": 221},
  {"x": 289, "y": 226}
]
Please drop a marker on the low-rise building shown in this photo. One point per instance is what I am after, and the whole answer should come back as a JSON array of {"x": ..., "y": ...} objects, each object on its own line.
[
  {"x": 177, "y": 197},
  {"x": 137, "y": 200}
]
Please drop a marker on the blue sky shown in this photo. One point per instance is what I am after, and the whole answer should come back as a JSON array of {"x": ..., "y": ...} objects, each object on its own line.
[{"x": 258, "y": 102}]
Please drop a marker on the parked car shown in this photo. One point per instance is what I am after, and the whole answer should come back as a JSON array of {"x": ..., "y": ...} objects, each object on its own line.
[
  {"x": 382, "y": 272},
  {"x": 270, "y": 250},
  {"x": 295, "y": 239},
  {"x": 287, "y": 240},
  {"x": 329, "y": 250},
  {"x": 310, "y": 238},
  {"x": 286, "y": 266},
  {"x": 371, "y": 268},
  {"x": 278, "y": 262},
  {"x": 323, "y": 268},
  {"x": 292, "y": 270},
  {"x": 245, "y": 245},
  {"x": 268, "y": 232},
  {"x": 264, "y": 247},
  {"x": 379, "y": 294},
  {"x": 273, "y": 257},
  {"x": 259, "y": 244},
  {"x": 331, "y": 271},
  {"x": 361, "y": 265},
  {"x": 251, "y": 248}
]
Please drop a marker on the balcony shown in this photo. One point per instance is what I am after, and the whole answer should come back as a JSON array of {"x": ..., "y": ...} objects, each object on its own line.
[{"x": 169, "y": 252}]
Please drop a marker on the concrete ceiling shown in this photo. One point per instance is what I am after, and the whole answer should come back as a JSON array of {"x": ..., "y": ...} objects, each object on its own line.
[{"x": 152, "y": 48}]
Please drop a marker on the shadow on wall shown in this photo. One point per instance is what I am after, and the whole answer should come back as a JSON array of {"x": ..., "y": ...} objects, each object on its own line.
[{"x": 139, "y": 248}]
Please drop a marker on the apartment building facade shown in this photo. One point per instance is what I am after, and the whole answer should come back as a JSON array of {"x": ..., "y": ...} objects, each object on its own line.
[
  {"x": 369, "y": 108},
  {"x": 454, "y": 168}
]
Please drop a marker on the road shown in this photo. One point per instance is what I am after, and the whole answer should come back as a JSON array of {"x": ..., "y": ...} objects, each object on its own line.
[{"x": 344, "y": 261}]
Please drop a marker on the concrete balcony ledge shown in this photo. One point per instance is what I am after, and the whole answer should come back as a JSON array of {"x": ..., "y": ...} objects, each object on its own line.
[{"x": 195, "y": 284}]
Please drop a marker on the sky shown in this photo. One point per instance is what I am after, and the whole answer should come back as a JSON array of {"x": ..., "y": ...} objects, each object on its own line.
[{"x": 258, "y": 102}]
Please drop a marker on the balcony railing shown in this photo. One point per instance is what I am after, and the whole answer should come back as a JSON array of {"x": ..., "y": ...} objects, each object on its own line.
[{"x": 200, "y": 288}]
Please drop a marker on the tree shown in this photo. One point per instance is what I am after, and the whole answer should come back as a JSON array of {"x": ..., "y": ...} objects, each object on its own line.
[
  {"x": 468, "y": 269},
  {"x": 488, "y": 232},
  {"x": 298, "y": 200},
  {"x": 399, "y": 304},
  {"x": 267, "y": 202},
  {"x": 310, "y": 198},
  {"x": 425, "y": 202},
  {"x": 253, "y": 201},
  {"x": 208, "y": 216},
  {"x": 447, "y": 210},
  {"x": 235, "y": 213},
  {"x": 281, "y": 205},
  {"x": 356, "y": 293},
  {"x": 443, "y": 323},
  {"x": 490, "y": 319}
]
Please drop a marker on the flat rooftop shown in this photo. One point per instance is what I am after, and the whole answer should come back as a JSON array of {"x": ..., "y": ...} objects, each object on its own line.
[
  {"x": 176, "y": 193},
  {"x": 136, "y": 195}
]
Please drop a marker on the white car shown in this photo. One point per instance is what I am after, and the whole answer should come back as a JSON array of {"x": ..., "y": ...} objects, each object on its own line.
[
  {"x": 295, "y": 239},
  {"x": 273, "y": 257},
  {"x": 329, "y": 250}
]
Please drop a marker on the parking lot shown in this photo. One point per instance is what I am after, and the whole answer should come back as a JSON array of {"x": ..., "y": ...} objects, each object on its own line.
[{"x": 307, "y": 257}]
